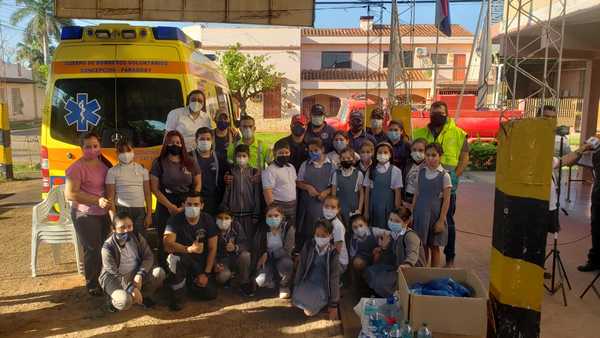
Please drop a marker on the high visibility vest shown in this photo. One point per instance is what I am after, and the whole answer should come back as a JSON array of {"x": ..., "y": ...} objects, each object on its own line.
[{"x": 451, "y": 138}]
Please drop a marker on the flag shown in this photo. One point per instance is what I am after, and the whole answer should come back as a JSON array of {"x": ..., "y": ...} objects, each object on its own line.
[{"x": 442, "y": 16}]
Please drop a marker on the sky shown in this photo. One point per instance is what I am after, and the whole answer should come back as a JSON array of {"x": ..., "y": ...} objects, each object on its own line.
[{"x": 326, "y": 16}]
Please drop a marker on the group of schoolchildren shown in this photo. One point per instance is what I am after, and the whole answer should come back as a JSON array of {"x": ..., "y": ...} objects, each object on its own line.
[{"x": 327, "y": 211}]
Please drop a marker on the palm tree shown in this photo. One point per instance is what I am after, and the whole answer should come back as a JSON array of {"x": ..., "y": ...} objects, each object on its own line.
[{"x": 42, "y": 26}]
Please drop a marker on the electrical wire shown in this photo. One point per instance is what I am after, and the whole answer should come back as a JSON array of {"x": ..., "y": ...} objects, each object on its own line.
[{"x": 548, "y": 245}]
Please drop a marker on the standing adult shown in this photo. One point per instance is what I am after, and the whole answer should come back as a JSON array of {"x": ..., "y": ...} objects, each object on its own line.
[
  {"x": 376, "y": 129},
  {"x": 357, "y": 134},
  {"x": 319, "y": 129},
  {"x": 224, "y": 135},
  {"x": 259, "y": 152},
  {"x": 298, "y": 149},
  {"x": 85, "y": 188},
  {"x": 593, "y": 262},
  {"x": 173, "y": 175},
  {"x": 186, "y": 120},
  {"x": 213, "y": 168},
  {"x": 455, "y": 159}
]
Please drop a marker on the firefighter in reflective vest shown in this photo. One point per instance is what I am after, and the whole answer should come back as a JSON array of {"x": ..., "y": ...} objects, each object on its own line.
[{"x": 455, "y": 159}]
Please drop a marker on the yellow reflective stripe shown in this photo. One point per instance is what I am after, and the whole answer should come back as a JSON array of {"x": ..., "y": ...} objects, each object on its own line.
[
  {"x": 516, "y": 282},
  {"x": 524, "y": 160}
]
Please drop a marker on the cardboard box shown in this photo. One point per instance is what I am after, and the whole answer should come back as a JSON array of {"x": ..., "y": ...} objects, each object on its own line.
[{"x": 444, "y": 315}]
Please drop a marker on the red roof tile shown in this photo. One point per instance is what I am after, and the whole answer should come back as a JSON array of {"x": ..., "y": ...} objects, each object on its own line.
[
  {"x": 405, "y": 30},
  {"x": 356, "y": 75}
]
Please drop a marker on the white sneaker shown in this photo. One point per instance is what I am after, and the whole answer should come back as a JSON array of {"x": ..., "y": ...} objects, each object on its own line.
[{"x": 284, "y": 293}]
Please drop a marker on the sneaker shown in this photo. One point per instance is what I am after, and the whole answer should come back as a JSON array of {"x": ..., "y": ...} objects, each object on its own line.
[
  {"x": 588, "y": 267},
  {"x": 247, "y": 290},
  {"x": 175, "y": 306},
  {"x": 284, "y": 293}
]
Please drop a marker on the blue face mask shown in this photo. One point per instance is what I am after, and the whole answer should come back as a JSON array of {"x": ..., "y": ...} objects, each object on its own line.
[
  {"x": 123, "y": 236},
  {"x": 393, "y": 135},
  {"x": 273, "y": 222},
  {"x": 397, "y": 227},
  {"x": 314, "y": 155}
]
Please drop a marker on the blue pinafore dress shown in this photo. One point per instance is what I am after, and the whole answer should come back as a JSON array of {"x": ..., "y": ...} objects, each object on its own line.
[
  {"x": 310, "y": 209},
  {"x": 381, "y": 198},
  {"x": 345, "y": 192},
  {"x": 311, "y": 294},
  {"x": 427, "y": 210}
]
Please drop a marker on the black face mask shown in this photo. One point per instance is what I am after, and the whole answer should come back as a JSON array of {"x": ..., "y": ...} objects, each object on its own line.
[
  {"x": 438, "y": 120},
  {"x": 174, "y": 149},
  {"x": 356, "y": 126},
  {"x": 298, "y": 130},
  {"x": 282, "y": 160},
  {"x": 346, "y": 164}
]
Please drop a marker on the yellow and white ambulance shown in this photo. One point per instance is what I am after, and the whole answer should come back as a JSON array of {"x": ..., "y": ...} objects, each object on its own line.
[{"x": 121, "y": 81}]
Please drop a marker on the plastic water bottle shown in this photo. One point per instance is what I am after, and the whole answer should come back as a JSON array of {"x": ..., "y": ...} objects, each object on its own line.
[
  {"x": 424, "y": 332},
  {"x": 391, "y": 311},
  {"x": 406, "y": 331},
  {"x": 395, "y": 332},
  {"x": 369, "y": 309}
]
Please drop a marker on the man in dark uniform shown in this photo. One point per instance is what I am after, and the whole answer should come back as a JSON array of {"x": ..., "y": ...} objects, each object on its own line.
[
  {"x": 376, "y": 129},
  {"x": 357, "y": 134},
  {"x": 298, "y": 149},
  {"x": 318, "y": 128}
]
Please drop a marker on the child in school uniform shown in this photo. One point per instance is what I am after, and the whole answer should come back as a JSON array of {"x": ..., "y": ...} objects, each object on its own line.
[
  {"x": 317, "y": 281},
  {"x": 346, "y": 185},
  {"x": 366, "y": 151},
  {"x": 128, "y": 186},
  {"x": 383, "y": 184},
  {"x": 431, "y": 203},
  {"x": 272, "y": 252},
  {"x": 416, "y": 162},
  {"x": 398, "y": 248},
  {"x": 340, "y": 143},
  {"x": 314, "y": 179},
  {"x": 360, "y": 248},
  {"x": 232, "y": 253},
  {"x": 243, "y": 195},
  {"x": 279, "y": 181},
  {"x": 331, "y": 210}
]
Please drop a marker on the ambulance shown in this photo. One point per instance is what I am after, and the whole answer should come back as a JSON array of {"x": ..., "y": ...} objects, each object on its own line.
[{"x": 121, "y": 81}]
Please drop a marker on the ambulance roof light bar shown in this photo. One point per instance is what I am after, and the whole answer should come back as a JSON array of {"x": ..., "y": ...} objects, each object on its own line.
[
  {"x": 71, "y": 33},
  {"x": 169, "y": 33}
]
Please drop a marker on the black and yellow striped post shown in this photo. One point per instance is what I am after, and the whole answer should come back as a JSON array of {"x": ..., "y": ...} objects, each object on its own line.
[
  {"x": 6, "y": 167},
  {"x": 523, "y": 176}
]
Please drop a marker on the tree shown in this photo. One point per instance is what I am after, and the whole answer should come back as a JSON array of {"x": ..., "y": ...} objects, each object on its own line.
[
  {"x": 247, "y": 75},
  {"x": 43, "y": 26}
]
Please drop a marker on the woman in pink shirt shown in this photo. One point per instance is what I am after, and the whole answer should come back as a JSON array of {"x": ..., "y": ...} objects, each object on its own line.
[{"x": 85, "y": 188}]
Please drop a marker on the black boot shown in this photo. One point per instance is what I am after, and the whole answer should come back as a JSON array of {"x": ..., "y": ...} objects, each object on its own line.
[
  {"x": 589, "y": 267},
  {"x": 176, "y": 299}
]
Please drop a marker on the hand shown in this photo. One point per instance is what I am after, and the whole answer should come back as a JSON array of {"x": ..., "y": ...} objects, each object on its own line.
[
  {"x": 262, "y": 261},
  {"x": 228, "y": 178},
  {"x": 333, "y": 313},
  {"x": 458, "y": 172},
  {"x": 196, "y": 248},
  {"x": 376, "y": 254},
  {"x": 439, "y": 226},
  {"x": 256, "y": 178},
  {"x": 148, "y": 221},
  {"x": 202, "y": 280},
  {"x": 323, "y": 195},
  {"x": 403, "y": 267},
  {"x": 137, "y": 282},
  {"x": 312, "y": 191},
  {"x": 219, "y": 267},
  {"x": 173, "y": 209},
  {"x": 230, "y": 247},
  {"x": 104, "y": 203},
  {"x": 384, "y": 241},
  {"x": 584, "y": 147},
  {"x": 136, "y": 294}
]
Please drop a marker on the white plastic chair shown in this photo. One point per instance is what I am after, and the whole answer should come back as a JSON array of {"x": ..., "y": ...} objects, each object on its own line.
[{"x": 53, "y": 232}]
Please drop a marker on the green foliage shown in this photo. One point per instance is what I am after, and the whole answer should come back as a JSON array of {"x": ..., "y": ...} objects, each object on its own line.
[
  {"x": 247, "y": 75},
  {"x": 482, "y": 156}
]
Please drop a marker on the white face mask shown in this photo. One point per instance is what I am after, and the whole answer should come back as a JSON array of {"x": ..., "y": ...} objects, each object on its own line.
[
  {"x": 322, "y": 241},
  {"x": 340, "y": 145},
  {"x": 417, "y": 156},
  {"x": 204, "y": 145},
  {"x": 223, "y": 224},
  {"x": 192, "y": 212},
  {"x": 365, "y": 157},
  {"x": 317, "y": 120},
  {"x": 126, "y": 158},
  {"x": 195, "y": 106},
  {"x": 376, "y": 124},
  {"x": 247, "y": 133},
  {"x": 329, "y": 213},
  {"x": 242, "y": 161},
  {"x": 383, "y": 158},
  {"x": 361, "y": 232}
]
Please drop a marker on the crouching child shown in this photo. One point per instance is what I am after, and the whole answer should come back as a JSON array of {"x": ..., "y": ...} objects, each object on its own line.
[
  {"x": 397, "y": 249},
  {"x": 232, "y": 253},
  {"x": 128, "y": 274},
  {"x": 317, "y": 281}
]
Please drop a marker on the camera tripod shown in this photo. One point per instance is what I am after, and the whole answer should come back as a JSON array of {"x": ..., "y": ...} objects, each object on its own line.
[{"x": 557, "y": 284}]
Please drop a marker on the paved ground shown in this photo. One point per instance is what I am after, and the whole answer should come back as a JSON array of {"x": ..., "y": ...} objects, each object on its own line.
[
  {"x": 26, "y": 146},
  {"x": 55, "y": 302}
]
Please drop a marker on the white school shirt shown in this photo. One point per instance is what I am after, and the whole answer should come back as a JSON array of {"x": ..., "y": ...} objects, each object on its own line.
[
  {"x": 129, "y": 184},
  {"x": 395, "y": 182},
  {"x": 282, "y": 180},
  {"x": 334, "y": 157},
  {"x": 181, "y": 119},
  {"x": 411, "y": 177},
  {"x": 346, "y": 173},
  {"x": 339, "y": 235}
]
